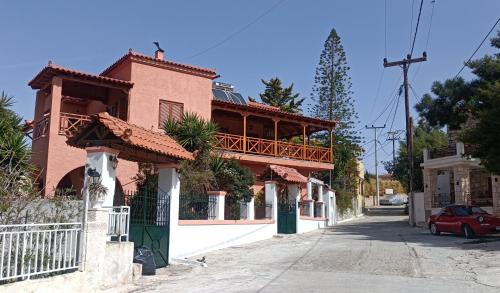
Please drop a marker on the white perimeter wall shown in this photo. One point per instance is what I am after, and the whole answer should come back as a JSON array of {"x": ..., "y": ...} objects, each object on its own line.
[
  {"x": 304, "y": 226},
  {"x": 197, "y": 239}
]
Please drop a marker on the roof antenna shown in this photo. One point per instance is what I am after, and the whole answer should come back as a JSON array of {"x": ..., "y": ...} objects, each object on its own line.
[{"x": 158, "y": 46}]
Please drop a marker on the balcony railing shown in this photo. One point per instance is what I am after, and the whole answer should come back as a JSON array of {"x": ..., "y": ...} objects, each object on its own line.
[
  {"x": 266, "y": 147},
  {"x": 41, "y": 127},
  {"x": 71, "y": 123}
]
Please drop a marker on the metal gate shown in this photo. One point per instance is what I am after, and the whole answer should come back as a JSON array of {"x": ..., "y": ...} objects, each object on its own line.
[
  {"x": 287, "y": 216},
  {"x": 150, "y": 222}
]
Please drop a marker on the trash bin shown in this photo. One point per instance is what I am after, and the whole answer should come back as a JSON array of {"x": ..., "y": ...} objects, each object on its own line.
[{"x": 145, "y": 257}]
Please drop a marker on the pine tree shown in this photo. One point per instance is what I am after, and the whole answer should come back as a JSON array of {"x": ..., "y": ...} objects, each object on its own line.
[
  {"x": 332, "y": 100},
  {"x": 282, "y": 97},
  {"x": 331, "y": 94}
]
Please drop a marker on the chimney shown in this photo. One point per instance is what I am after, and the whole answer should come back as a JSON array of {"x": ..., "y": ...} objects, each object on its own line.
[{"x": 159, "y": 54}]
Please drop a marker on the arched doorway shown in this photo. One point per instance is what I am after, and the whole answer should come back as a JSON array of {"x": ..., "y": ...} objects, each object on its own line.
[{"x": 72, "y": 183}]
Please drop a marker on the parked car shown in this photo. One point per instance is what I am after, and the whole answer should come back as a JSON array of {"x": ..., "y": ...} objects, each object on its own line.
[
  {"x": 394, "y": 199},
  {"x": 463, "y": 220}
]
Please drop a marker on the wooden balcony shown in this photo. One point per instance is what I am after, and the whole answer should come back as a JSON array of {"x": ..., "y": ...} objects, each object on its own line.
[
  {"x": 41, "y": 127},
  {"x": 266, "y": 147},
  {"x": 70, "y": 123}
]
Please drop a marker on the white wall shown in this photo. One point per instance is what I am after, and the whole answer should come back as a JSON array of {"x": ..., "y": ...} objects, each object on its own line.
[
  {"x": 304, "y": 226},
  {"x": 198, "y": 239},
  {"x": 418, "y": 199}
]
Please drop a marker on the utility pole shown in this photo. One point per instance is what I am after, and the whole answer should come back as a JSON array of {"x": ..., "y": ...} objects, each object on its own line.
[
  {"x": 405, "y": 63},
  {"x": 377, "y": 197},
  {"x": 393, "y": 138}
]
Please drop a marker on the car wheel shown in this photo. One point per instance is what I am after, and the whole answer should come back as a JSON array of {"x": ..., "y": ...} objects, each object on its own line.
[
  {"x": 468, "y": 232},
  {"x": 434, "y": 229}
]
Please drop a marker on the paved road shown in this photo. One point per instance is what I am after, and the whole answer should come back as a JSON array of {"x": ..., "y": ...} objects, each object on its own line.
[{"x": 376, "y": 253}]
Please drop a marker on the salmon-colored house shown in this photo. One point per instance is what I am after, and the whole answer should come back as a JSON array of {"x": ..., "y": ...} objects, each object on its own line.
[{"x": 146, "y": 91}]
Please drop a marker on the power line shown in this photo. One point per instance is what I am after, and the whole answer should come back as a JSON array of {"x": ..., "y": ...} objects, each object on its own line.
[
  {"x": 377, "y": 93},
  {"x": 478, "y": 47},
  {"x": 411, "y": 21},
  {"x": 237, "y": 32},
  {"x": 394, "y": 116},
  {"x": 416, "y": 28},
  {"x": 417, "y": 70}
]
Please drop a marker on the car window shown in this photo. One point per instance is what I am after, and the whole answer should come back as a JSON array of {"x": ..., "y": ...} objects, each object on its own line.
[
  {"x": 477, "y": 210},
  {"x": 446, "y": 211},
  {"x": 462, "y": 211}
]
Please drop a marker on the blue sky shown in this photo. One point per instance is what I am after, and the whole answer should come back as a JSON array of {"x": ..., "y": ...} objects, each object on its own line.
[{"x": 286, "y": 42}]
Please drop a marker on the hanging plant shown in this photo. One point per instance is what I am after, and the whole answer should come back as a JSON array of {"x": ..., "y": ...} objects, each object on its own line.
[{"x": 97, "y": 191}]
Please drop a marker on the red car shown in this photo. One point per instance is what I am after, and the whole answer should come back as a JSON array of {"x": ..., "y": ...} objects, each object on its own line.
[{"x": 463, "y": 220}]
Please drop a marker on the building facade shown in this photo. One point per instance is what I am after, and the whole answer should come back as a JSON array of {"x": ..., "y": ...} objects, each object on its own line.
[
  {"x": 452, "y": 176},
  {"x": 146, "y": 91}
]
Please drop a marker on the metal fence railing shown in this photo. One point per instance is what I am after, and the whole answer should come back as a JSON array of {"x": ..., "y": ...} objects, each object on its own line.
[
  {"x": 119, "y": 223},
  {"x": 318, "y": 209},
  {"x": 263, "y": 210},
  {"x": 197, "y": 207},
  {"x": 305, "y": 208},
  {"x": 35, "y": 249},
  {"x": 440, "y": 200}
]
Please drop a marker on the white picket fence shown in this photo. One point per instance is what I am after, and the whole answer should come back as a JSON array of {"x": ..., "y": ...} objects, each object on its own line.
[{"x": 34, "y": 249}]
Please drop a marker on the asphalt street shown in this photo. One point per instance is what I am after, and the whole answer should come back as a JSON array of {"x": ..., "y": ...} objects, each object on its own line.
[{"x": 375, "y": 253}]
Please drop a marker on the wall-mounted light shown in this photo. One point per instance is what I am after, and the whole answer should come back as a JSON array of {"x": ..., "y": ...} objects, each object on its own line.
[
  {"x": 93, "y": 174},
  {"x": 113, "y": 159}
]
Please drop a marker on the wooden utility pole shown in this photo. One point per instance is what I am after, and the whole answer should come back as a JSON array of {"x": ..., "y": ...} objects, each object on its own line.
[
  {"x": 405, "y": 64},
  {"x": 377, "y": 198}
]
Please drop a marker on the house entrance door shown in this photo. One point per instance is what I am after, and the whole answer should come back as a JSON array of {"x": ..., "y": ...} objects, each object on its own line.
[{"x": 150, "y": 222}]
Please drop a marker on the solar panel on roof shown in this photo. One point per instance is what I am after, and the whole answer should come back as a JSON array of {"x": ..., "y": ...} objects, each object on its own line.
[
  {"x": 221, "y": 95},
  {"x": 240, "y": 99}
]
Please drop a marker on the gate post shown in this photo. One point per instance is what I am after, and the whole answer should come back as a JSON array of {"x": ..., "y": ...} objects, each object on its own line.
[
  {"x": 220, "y": 203},
  {"x": 321, "y": 201},
  {"x": 103, "y": 161},
  {"x": 310, "y": 200},
  {"x": 294, "y": 196},
  {"x": 168, "y": 182},
  {"x": 271, "y": 194}
]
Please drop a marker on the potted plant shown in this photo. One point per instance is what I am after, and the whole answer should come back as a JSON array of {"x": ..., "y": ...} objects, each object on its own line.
[{"x": 97, "y": 193}]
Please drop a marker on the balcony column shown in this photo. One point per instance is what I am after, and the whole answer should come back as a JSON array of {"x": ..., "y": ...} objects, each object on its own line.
[
  {"x": 330, "y": 131},
  {"x": 304, "y": 147},
  {"x": 52, "y": 169},
  {"x": 276, "y": 136},
  {"x": 244, "y": 132},
  {"x": 462, "y": 185}
]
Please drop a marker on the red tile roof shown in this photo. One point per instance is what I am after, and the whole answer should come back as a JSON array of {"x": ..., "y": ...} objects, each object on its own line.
[
  {"x": 288, "y": 174},
  {"x": 275, "y": 111},
  {"x": 186, "y": 68},
  {"x": 51, "y": 70},
  {"x": 136, "y": 136}
]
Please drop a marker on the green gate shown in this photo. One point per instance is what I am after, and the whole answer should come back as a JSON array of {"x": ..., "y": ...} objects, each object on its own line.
[
  {"x": 287, "y": 216},
  {"x": 149, "y": 222}
]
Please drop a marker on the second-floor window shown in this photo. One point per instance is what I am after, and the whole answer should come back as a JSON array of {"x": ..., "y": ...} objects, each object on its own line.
[{"x": 170, "y": 110}]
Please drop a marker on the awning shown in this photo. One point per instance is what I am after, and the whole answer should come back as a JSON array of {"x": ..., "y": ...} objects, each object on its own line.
[{"x": 288, "y": 174}]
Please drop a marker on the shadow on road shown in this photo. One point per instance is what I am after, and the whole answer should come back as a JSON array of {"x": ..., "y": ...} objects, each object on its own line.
[{"x": 390, "y": 224}]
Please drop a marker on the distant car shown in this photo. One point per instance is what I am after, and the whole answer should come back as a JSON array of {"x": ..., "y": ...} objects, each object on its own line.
[
  {"x": 394, "y": 200},
  {"x": 463, "y": 220}
]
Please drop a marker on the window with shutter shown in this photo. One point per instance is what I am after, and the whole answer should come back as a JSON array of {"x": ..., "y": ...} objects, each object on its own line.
[{"x": 170, "y": 110}]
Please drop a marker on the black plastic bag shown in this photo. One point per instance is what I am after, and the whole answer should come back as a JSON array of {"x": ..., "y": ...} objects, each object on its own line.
[{"x": 145, "y": 256}]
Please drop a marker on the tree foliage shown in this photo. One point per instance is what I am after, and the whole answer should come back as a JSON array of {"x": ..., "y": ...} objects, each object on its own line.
[
  {"x": 209, "y": 171},
  {"x": 332, "y": 95},
  {"x": 456, "y": 101},
  {"x": 425, "y": 137},
  {"x": 282, "y": 97},
  {"x": 333, "y": 100}
]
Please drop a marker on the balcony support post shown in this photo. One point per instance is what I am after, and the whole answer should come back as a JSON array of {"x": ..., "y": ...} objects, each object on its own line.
[
  {"x": 304, "y": 147},
  {"x": 276, "y": 137},
  {"x": 330, "y": 131},
  {"x": 244, "y": 132}
]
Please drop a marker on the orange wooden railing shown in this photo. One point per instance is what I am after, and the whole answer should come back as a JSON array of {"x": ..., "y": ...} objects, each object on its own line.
[
  {"x": 70, "y": 123},
  {"x": 41, "y": 127},
  {"x": 252, "y": 145}
]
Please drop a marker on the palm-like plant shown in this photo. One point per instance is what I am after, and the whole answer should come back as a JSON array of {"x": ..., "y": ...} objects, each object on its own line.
[
  {"x": 14, "y": 150},
  {"x": 192, "y": 132}
]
